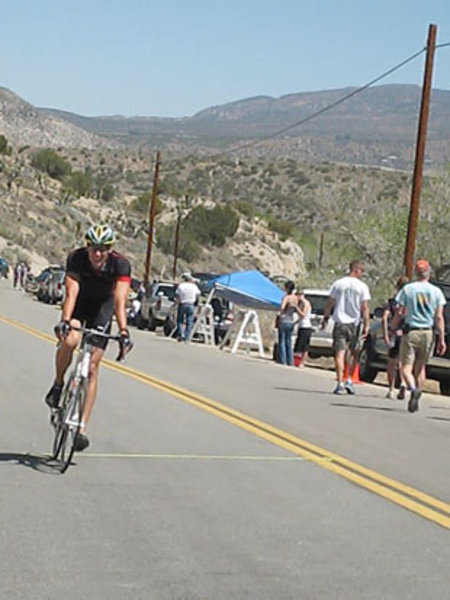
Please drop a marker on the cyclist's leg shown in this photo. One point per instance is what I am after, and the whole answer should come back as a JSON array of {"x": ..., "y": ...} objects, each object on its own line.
[
  {"x": 91, "y": 391},
  {"x": 63, "y": 359},
  {"x": 101, "y": 321},
  {"x": 65, "y": 352}
]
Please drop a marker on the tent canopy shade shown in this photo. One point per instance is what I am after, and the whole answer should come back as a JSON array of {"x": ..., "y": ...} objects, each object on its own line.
[{"x": 251, "y": 289}]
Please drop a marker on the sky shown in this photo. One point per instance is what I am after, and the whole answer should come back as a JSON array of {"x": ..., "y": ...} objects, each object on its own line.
[{"x": 173, "y": 58}]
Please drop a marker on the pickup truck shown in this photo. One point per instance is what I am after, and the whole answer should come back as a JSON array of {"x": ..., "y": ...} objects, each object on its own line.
[
  {"x": 156, "y": 304},
  {"x": 374, "y": 354}
]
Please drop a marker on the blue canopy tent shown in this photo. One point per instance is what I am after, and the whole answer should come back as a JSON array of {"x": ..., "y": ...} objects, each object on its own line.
[{"x": 248, "y": 288}]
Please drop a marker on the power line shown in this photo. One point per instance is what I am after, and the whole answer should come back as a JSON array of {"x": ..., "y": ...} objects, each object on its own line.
[{"x": 316, "y": 113}]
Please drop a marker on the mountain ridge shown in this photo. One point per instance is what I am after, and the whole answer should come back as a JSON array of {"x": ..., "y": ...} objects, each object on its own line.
[{"x": 376, "y": 126}]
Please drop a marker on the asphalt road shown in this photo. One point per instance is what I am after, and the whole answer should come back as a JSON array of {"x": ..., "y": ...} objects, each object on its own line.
[{"x": 212, "y": 476}]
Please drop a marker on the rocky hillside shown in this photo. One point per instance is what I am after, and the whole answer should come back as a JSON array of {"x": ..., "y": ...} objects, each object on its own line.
[
  {"x": 299, "y": 219},
  {"x": 25, "y": 125},
  {"x": 41, "y": 223}
]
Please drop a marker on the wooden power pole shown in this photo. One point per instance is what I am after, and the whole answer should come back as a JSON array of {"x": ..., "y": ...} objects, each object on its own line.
[
  {"x": 177, "y": 236},
  {"x": 420, "y": 154},
  {"x": 151, "y": 221}
]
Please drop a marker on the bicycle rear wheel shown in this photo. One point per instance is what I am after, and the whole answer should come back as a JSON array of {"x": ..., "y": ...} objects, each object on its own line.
[{"x": 68, "y": 423}]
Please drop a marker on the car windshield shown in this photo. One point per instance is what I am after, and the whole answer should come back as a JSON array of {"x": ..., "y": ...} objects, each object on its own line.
[
  {"x": 317, "y": 303},
  {"x": 166, "y": 290}
]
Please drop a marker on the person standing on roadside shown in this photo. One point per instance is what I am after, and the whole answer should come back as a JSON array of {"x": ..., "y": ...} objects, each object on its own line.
[
  {"x": 348, "y": 302},
  {"x": 304, "y": 329},
  {"x": 16, "y": 274},
  {"x": 392, "y": 338},
  {"x": 23, "y": 274},
  {"x": 422, "y": 306},
  {"x": 286, "y": 320},
  {"x": 187, "y": 294}
]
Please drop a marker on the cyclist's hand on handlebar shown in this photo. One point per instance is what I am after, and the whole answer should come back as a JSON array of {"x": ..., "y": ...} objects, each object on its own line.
[
  {"x": 125, "y": 343},
  {"x": 62, "y": 329}
]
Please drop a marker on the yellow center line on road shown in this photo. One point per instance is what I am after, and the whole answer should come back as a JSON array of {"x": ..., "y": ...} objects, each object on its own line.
[{"x": 413, "y": 500}]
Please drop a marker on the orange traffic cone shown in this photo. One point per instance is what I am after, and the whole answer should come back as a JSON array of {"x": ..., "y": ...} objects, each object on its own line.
[{"x": 355, "y": 375}]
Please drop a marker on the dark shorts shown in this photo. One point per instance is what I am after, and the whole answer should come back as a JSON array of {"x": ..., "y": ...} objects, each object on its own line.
[
  {"x": 395, "y": 350},
  {"x": 303, "y": 340},
  {"x": 346, "y": 337},
  {"x": 95, "y": 317}
]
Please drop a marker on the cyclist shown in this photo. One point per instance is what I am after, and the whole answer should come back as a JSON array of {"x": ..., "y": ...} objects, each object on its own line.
[{"x": 97, "y": 284}]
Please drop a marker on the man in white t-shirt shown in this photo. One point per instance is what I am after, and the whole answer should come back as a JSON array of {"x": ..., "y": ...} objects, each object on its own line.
[
  {"x": 186, "y": 295},
  {"x": 348, "y": 301}
]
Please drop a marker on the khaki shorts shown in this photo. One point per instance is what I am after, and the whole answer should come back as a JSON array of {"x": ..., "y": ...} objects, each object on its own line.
[
  {"x": 416, "y": 345},
  {"x": 345, "y": 337}
]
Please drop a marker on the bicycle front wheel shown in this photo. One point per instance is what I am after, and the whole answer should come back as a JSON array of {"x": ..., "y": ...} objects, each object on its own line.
[{"x": 68, "y": 422}]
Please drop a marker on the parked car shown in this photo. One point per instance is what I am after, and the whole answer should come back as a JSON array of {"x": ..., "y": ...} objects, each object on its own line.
[
  {"x": 40, "y": 284},
  {"x": 374, "y": 354},
  {"x": 156, "y": 305},
  {"x": 4, "y": 268},
  {"x": 321, "y": 343},
  {"x": 56, "y": 288}
]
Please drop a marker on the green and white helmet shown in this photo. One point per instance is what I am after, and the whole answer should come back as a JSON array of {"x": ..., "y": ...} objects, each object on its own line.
[{"x": 101, "y": 235}]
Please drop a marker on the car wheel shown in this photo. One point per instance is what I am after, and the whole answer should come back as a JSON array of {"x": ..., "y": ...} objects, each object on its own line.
[
  {"x": 366, "y": 371},
  {"x": 168, "y": 327},
  {"x": 444, "y": 386}
]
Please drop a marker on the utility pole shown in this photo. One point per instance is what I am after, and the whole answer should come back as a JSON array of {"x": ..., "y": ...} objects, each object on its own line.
[
  {"x": 420, "y": 154},
  {"x": 320, "y": 252},
  {"x": 151, "y": 221},
  {"x": 177, "y": 236}
]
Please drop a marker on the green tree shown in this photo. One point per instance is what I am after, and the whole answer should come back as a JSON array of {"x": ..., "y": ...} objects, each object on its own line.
[
  {"x": 80, "y": 183},
  {"x": 48, "y": 161},
  {"x": 4, "y": 147},
  {"x": 211, "y": 226},
  {"x": 142, "y": 203}
]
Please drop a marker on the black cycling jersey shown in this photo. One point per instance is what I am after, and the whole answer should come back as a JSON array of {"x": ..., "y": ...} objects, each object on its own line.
[
  {"x": 95, "y": 301},
  {"x": 97, "y": 286}
]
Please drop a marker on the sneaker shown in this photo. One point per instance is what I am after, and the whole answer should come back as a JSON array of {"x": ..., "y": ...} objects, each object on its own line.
[
  {"x": 53, "y": 396},
  {"x": 413, "y": 404},
  {"x": 81, "y": 443},
  {"x": 401, "y": 392},
  {"x": 390, "y": 394},
  {"x": 348, "y": 385},
  {"x": 339, "y": 389}
]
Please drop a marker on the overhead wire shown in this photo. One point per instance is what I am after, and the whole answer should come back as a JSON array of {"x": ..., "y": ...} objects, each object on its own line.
[{"x": 314, "y": 114}]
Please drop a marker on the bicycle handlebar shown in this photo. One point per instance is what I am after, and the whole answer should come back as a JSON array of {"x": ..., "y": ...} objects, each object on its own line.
[{"x": 116, "y": 338}]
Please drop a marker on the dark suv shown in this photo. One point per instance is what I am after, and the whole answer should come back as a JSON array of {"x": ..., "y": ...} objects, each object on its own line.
[{"x": 373, "y": 357}]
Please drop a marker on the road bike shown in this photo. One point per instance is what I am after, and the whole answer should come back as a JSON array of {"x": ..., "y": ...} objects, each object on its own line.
[{"x": 66, "y": 418}]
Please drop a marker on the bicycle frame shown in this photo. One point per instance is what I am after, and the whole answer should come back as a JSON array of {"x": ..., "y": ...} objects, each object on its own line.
[{"x": 67, "y": 418}]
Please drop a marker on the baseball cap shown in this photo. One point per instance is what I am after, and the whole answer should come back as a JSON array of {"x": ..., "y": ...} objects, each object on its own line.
[
  {"x": 187, "y": 276},
  {"x": 422, "y": 265}
]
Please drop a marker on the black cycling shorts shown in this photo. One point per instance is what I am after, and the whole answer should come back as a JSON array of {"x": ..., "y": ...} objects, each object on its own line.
[{"x": 95, "y": 317}]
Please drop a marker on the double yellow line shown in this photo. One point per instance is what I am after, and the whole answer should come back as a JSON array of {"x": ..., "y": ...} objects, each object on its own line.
[{"x": 413, "y": 500}]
